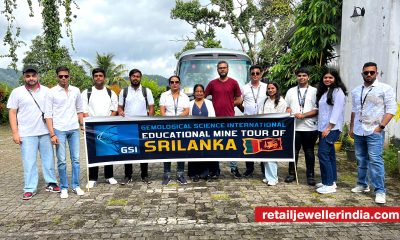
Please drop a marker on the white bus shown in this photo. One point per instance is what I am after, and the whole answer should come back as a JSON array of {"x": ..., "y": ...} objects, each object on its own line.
[{"x": 200, "y": 66}]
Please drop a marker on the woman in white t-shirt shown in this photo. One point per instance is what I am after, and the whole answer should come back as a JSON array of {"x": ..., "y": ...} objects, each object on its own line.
[{"x": 273, "y": 104}]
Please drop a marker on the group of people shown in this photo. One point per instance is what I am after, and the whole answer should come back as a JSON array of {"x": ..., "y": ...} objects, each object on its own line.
[{"x": 40, "y": 117}]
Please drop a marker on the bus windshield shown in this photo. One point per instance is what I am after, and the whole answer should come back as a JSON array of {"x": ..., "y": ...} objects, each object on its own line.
[{"x": 202, "y": 71}]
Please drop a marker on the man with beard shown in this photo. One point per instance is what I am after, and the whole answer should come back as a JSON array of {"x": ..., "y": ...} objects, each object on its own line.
[
  {"x": 136, "y": 100},
  {"x": 373, "y": 106},
  {"x": 26, "y": 105},
  {"x": 226, "y": 94},
  {"x": 99, "y": 101}
]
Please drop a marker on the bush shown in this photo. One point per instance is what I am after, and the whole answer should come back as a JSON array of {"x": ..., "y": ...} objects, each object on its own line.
[
  {"x": 390, "y": 158},
  {"x": 5, "y": 91}
]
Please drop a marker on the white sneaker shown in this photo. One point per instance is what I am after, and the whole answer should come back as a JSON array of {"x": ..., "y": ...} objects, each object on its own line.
[
  {"x": 78, "y": 191},
  {"x": 318, "y": 185},
  {"x": 112, "y": 181},
  {"x": 359, "y": 189},
  {"x": 265, "y": 180},
  {"x": 91, "y": 184},
  {"x": 64, "y": 193},
  {"x": 326, "y": 189},
  {"x": 272, "y": 183},
  {"x": 380, "y": 198}
]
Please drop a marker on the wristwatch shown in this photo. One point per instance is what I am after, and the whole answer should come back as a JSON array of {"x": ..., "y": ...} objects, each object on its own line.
[{"x": 381, "y": 126}]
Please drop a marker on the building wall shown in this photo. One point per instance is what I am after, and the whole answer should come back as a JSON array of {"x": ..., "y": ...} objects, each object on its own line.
[{"x": 376, "y": 38}]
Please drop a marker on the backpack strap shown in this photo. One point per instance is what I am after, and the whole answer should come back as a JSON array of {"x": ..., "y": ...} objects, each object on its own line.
[
  {"x": 89, "y": 92},
  {"x": 109, "y": 92},
  {"x": 144, "y": 92},
  {"x": 125, "y": 94}
]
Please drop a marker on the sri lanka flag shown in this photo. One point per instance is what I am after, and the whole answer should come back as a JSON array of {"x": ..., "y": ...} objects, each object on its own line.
[{"x": 253, "y": 145}]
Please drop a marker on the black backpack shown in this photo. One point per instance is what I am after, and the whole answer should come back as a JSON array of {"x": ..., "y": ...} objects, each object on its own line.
[
  {"x": 89, "y": 93},
  {"x": 144, "y": 92}
]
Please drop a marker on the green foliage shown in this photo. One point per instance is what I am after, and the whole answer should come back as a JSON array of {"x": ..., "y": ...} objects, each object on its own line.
[
  {"x": 317, "y": 26},
  {"x": 114, "y": 72},
  {"x": 390, "y": 158},
  {"x": 40, "y": 56},
  {"x": 5, "y": 91},
  {"x": 51, "y": 26},
  {"x": 156, "y": 90},
  {"x": 397, "y": 115}
]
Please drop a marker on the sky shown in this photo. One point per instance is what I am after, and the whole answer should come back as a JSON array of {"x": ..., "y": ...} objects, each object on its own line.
[{"x": 139, "y": 33}]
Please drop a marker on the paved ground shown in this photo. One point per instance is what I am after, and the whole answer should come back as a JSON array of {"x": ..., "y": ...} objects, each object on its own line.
[{"x": 222, "y": 209}]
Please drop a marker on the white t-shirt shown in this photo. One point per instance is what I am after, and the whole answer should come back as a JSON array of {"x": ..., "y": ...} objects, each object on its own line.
[
  {"x": 253, "y": 98},
  {"x": 310, "y": 102},
  {"x": 171, "y": 105},
  {"x": 29, "y": 116},
  {"x": 135, "y": 103},
  {"x": 100, "y": 104}
]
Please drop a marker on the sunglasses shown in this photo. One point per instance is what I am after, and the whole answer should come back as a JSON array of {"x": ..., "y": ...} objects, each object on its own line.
[
  {"x": 174, "y": 82},
  {"x": 366, "y": 73},
  {"x": 255, "y": 73},
  {"x": 63, "y": 76},
  {"x": 302, "y": 75}
]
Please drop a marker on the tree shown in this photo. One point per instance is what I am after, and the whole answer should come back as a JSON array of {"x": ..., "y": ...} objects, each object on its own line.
[
  {"x": 38, "y": 56},
  {"x": 248, "y": 20},
  {"x": 114, "y": 72},
  {"x": 317, "y": 28},
  {"x": 5, "y": 91},
  {"x": 51, "y": 26}
]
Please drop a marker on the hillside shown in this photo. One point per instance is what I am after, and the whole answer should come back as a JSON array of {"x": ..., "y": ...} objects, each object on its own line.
[{"x": 10, "y": 77}]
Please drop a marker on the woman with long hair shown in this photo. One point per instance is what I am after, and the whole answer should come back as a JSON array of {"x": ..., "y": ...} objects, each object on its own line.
[
  {"x": 331, "y": 94},
  {"x": 204, "y": 108},
  {"x": 273, "y": 104}
]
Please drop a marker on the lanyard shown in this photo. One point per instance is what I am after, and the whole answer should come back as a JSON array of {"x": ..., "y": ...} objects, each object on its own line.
[
  {"x": 301, "y": 99},
  {"x": 175, "y": 104},
  {"x": 254, "y": 97},
  {"x": 361, "y": 99}
]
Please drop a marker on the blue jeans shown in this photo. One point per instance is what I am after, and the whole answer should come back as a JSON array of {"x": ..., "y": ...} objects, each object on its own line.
[
  {"x": 233, "y": 165},
  {"x": 180, "y": 168},
  {"x": 271, "y": 171},
  {"x": 29, "y": 148},
  {"x": 369, "y": 151},
  {"x": 327, "y": 157},
  {"x": 72, "y": 137}
]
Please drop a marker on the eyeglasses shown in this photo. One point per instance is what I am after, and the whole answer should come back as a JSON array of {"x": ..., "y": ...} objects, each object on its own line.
[
  {"x": 366, "y": 73},
  {"x": 255, "y": 73},
  {"x": 63, "y": 76},
  {"x": 174, "y": 82},
  {"x": 302, "y": 75}
]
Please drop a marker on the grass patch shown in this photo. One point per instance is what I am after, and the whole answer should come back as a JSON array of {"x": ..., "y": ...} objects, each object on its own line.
[
  {"x": 175, "y": 185},
  {"x": 56, "y": 220},
  {"x": 117, "y": 202},
  {"x": 348, "y": 177},
  {"x": 220, "y": 197},
  {"x": 390, "y": 158}
]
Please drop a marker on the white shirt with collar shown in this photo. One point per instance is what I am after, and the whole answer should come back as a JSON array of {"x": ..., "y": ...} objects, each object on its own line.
[
  {"x": 100, "y": 104},
  {"x": 169, "y": 103},
  {"x": 29, "y": 116},
  {"x": 135, "y": 103},
  {"x": 378, "y": 99},
  {"x": 63, "y": 107},
  {"x": 253, "y": 98},
  {"x": 310, "y": 103}
]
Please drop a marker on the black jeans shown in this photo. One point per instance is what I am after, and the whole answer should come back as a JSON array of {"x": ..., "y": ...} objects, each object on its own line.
[
  {"x": 94, "y": 172},
  {"x": 305, "y": 139},
  {"x": 143, "y": 170}
]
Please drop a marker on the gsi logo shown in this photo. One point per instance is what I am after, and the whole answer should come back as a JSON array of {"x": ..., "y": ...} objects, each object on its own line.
[{"x": 130, "y": 149}]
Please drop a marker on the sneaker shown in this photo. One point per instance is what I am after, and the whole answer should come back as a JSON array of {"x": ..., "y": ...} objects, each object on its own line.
[
  {"x": 359, "y": 189},
  {"x": 181, "y": 179},
  {"x": 126, "y": 180},
  {"x": 311, "y": 181},
  {"x": 78, "y": 191},
  {"x": 326, "y": 189},
  {"x": 265, "y": 180},
  {"x": 28, "y": 195},
  {"x": 272, "y": 183},
  {"x": 235, "y": 172},
  {"x": 91, "y": 184},
  {"x": 380, "y": 198},
  {"x": 290, "y": 178},
  {"x": 111, "y": 181},
  {"x": 318, "y": 185},
  {"x": 166, "y": 180},
  {"x": 64, "y": 193},
  {"x": 212, "y": 176},
  {"x": 146, "y": 180},
  {"x": 196, "y": 178},
  {"x": 53, "y": 187},
  {"x": 248, "y": 173}
]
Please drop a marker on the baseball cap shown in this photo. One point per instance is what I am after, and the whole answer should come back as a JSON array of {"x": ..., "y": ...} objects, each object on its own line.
[{"x": 29, "y": 69}]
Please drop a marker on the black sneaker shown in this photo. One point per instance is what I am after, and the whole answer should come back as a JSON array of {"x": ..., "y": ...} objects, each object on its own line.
[
  {"x": 290, "y": 178},
  {"x": 53, "y": 187},
  {"x": 166, "y": 179},
  {"x": 311, "y": 181},
  {"x": 181, "y": 179},
  {"x": 235, "y": 172},
  {"x": 126, "y": 180},
  {"x": 248, "y": 173},
  {"x": 212, "y": 176},
  {"x": 146, "y": 180},
  {"x": 196, "y": 178}
]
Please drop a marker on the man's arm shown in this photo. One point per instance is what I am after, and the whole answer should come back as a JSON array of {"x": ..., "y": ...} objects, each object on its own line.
[
  {"x": 151, "y": 110},
  {"x": 162, "y": 110},
  {"x": 309, "y": 114},
  {"x": 12, "y": 117},
  {"x": 238, "y": 101},
  {"x": 351, "y": 132},
  {"x": 53, "y": 137},
  {"x": 185, "y": 112}
]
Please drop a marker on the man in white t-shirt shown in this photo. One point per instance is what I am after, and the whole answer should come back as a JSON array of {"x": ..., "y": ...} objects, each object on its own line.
[
  {"x": 99, "y": 101},
  {"x": 302, "y": 103},
  {"x": 26, "y": 106},
  {"x": 136, "y": 100}
]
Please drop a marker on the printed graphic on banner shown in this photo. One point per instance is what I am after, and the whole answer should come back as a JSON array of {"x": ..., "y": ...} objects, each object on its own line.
[
  {"x": 254, "y": 146},
  {"x": 113, "y": 140}
]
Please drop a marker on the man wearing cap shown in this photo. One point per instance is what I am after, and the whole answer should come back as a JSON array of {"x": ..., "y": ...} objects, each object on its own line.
[
  {"x": 26, "y": 106},
  {"x": 63, "y": 114}
]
